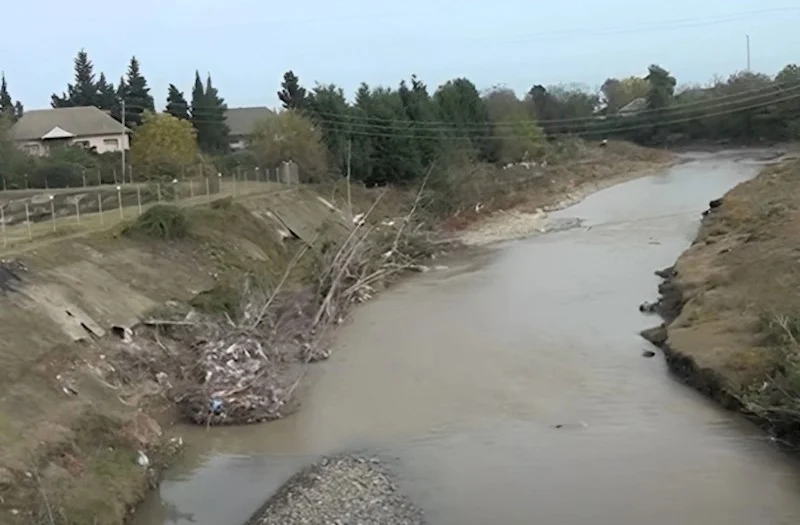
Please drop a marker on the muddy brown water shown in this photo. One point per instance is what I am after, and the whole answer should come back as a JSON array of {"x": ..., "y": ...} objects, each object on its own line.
[{"x": 459, "y": 378}]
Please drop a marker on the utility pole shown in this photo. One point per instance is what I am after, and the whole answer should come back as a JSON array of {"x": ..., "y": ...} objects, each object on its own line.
[
  {"x": 349, "y": 160},
  {"x": 122, "y": 141},
  {"x": 748, "y": 53}
]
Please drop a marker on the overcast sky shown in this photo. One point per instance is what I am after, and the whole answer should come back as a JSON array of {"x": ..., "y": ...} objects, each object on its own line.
[{"x": 247, "y": 45}]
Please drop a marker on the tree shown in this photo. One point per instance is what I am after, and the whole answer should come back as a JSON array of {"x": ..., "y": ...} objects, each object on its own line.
[
  {"x": 164, "y": 145},
  {"x": 208, "y": 117},
  {"x": 6, "y": 104},
  {"x": 289, "y": 136},
  {"x": 84, "y": 91},
  {"x": 517, "y": 136},
  {"x": 618, "y": 93},
  {"x": 329, "y": 110},
  {"x": 292, "y": 95},
  {"x": 106, "y": 94},
  {"x": 136, "y": 95},
  {"x": 661, "y": 87},
  {"x": 176, "y": 103},
  {"x": 462, "y": 108}
]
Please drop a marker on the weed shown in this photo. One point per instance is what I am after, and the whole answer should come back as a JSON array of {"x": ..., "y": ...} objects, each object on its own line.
[{"x": 162, "y": 221}]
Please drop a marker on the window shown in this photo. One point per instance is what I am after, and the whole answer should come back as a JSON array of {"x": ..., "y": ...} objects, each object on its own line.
[
  {"x": 82, "y": 143},
  {"x": 31, "y": 148},
  {"x": 114, "y": 143}
]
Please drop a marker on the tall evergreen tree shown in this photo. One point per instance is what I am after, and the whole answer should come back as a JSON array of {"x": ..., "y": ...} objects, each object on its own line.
[
  {"x": 292, "y": 95},
  {"x": 106, "y": 94},
  {"x": 121, "y": 94},
  {"x": 18, "y": 110},
  {"x": 198, "y": 110},
  {"x": 84, "y": 91},
  {"x": 208, "y": 116},
  {"x": 176, "y": 103},
  {"x": 6, "y": 104},
  {"x": 136, "y": 95}
]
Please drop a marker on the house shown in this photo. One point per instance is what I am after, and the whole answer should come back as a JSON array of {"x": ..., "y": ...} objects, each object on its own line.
[
  {"x": 38, "y": 131},
  {"x": 242, "y": 123},
  {"x": 633, "y": 107}
]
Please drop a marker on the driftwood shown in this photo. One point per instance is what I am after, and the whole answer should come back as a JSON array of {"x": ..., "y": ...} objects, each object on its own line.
[{"x": 248, "y": 369}]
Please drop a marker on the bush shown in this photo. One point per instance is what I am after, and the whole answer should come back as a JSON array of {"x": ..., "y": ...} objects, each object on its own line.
[{"x": 161, "y": 222}]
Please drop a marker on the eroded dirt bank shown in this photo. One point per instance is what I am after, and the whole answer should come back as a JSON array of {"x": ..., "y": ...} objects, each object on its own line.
[
  {"x": 731, "y": 307},
  {"x": 85, "y": 430}
]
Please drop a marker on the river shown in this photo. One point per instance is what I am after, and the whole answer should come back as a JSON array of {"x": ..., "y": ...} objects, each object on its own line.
[{"x": 510, "y": 389}]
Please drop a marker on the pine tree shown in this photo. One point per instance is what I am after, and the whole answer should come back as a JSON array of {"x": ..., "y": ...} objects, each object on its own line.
[
  {"x": 18, "y": 110},
  {"x": 199, "y": 108},
  {"x": 176, "y": 103},
  {"x": 292, "y": 94},
  {"x": 208, "y": 116},
  {"x": 106, "y": 94},
  {"x": 84, "y": 91},
  {"x": 136, "y": 95},
  {"x": 6, "y": 104},
  {"x": 218, "y": 141}
]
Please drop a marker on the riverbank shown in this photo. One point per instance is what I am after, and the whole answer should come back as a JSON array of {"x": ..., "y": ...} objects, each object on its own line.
[
  {"x": 732, "y": 314},
  {"x": 89, "y": 425}
]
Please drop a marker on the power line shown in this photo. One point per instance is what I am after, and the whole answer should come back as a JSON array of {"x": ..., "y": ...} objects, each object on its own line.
[
  {"x": 364, "y": 121},
  {"x": 459, "y": 133}
]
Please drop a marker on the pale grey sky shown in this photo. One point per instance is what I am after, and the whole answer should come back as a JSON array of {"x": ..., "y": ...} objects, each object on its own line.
[{"x": 247, "y": 45}]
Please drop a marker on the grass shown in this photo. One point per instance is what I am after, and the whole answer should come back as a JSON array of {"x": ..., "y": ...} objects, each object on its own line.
[
  {"x": 741, "y": 281},
  {"x": 162, "y": 221}
]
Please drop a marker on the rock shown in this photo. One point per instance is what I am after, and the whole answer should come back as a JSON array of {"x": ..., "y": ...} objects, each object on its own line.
[
  {"x": 648, "y": 308},
  {"x": 656, "y": 335},
  {"x": 666, "y": 273},
  {"x": 648, "y": 353},
  {"x": 346, "y": 490},
  {"x": 716, "y": 203}
]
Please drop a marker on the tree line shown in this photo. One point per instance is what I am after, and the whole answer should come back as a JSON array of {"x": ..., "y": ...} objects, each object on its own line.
[{"x": 390, "y": 134}]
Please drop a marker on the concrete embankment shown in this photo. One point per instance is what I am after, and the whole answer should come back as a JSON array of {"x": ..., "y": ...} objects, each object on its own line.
[
  {"x": 84, "y": 428},
  {"x": 730, "y": 304}
]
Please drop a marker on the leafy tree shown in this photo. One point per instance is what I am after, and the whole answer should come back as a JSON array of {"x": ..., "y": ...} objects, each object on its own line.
[
  {"x": 462, "y": 108},
  {"x": 136, "y": 95},
  {"x": 164, "y": 145},
  {"x": 617, "y": 93},
  {"x": 289, "y": 136},
  {"x": 176, "y": 103},
  {"x": 292, "y": 95},
  {"x": 84, "y": 91},
  {"x": 517, "y": 136}
]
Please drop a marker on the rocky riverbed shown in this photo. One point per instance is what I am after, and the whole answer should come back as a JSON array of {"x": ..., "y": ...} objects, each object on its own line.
[{"x": 340, "y": 490}]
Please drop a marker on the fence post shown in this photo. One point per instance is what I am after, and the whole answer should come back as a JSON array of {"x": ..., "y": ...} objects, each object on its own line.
[
  {"x": 53, "y": 211},
  {"x": 78, "y": 211},
  {"x": 119, "y": 200},
  {"x": 84, "y": 177},
  {"x": 3, "y": 224},
  {"x": 99, "y": 178},
  {"x": 158, "y": 191},
  {"x": 191, "y": 188},
  {"x": 208, "y": 190},
  {"x": 100, "y": 209},
  {"x": 175, "y": 190},
  {"x": 28, "y": 220},
  {"x": 139, "y": 197}
]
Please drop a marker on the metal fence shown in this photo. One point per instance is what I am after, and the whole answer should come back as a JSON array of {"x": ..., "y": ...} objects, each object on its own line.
[{"x": 32, "y": 215}]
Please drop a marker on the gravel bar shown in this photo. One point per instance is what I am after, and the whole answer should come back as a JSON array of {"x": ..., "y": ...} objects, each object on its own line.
[{"x": 339, "y": 491}]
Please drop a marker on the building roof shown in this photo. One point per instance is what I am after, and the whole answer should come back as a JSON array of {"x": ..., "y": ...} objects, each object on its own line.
[
  {"x": 79, "y": 121},
  {"x": 242, "y": 121},
  {"x": 634, "y": 106}
]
